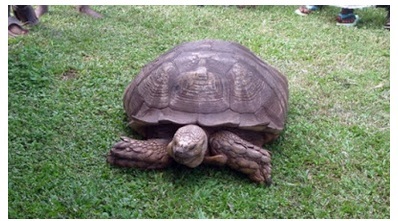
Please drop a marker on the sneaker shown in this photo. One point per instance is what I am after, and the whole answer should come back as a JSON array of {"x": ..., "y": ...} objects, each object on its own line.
[
  {"x": 347, "y": 20},
  {"x": 307, "y": 9}
]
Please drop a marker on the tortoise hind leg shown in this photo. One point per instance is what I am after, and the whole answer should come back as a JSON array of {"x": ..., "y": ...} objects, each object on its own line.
[
  {"x": 144, "y": 154},
  {"x": 227, "y": 148}
]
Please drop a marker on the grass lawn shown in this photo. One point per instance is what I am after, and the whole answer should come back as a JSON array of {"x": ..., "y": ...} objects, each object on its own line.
[{"x": 65, "y": 85}]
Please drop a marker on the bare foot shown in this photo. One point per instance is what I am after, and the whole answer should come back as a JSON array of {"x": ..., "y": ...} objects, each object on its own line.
[
  {"x": 41, "y": 10},
  {"x": 87, "y": 10}
]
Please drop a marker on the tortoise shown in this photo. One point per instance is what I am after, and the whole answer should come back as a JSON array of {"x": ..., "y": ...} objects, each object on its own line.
[{"x": 207, "y": 101}]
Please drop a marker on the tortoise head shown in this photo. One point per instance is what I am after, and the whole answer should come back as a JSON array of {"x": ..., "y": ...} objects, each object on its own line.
[{"x": 189, "y": 145}]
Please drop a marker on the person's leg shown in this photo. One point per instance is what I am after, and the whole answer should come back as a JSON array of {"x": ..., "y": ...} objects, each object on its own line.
[
  {"x": 387, "y": 25},
  {"x": 25, "y": 14},
  {"x": 387, "y": 7},
  {"x": 347, "y": 17}
]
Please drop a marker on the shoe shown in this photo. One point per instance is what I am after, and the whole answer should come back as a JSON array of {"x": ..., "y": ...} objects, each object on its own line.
[
  {"x": 307, "y": 9},
  {"x": 15, "y": 28},
  {"x": 347, "y": 20}
]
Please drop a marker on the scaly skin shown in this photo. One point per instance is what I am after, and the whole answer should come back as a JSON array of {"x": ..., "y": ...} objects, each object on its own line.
[
  {"x": 190, "y": 147},
  {"x": 144, "y": 154},
  {"x": 226, "y": 148}
]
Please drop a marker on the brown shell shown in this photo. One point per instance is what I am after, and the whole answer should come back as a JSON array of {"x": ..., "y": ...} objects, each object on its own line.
[{"x": 210, "y": 83}]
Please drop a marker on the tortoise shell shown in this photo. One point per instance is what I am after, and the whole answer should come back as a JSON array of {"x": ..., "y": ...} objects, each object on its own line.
[{"x": 210, "y": 83}]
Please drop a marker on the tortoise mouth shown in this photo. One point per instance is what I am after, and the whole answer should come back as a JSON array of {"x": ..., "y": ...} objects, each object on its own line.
[
  {"x": 191, "y": 162},
  {"x": 191, "y": 158}
]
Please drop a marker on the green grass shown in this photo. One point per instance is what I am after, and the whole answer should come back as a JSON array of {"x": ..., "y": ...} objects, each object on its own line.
[{"x": 65, "y": 85}]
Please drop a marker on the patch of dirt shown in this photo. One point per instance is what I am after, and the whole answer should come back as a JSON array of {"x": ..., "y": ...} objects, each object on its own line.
[{"x": 69, "y": 75}]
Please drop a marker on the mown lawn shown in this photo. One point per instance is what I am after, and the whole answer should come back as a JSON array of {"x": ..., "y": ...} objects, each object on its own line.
[{"x": 65, "y": 85}]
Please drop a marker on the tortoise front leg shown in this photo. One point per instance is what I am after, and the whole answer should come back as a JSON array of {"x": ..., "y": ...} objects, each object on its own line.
[
  {"x": 226, "y": 148},
  {"x": 145, "y": 154}
]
